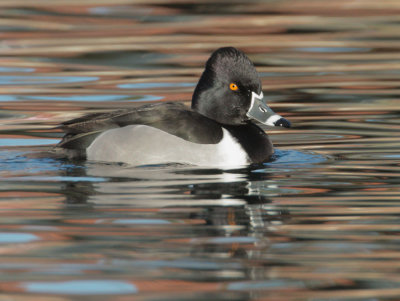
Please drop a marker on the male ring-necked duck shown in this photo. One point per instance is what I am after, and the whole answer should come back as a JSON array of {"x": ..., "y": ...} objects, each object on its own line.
[{"x": 217, "y": 130}]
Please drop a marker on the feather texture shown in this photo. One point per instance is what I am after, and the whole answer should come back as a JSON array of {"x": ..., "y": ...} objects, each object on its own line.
[{"x": 173, "y": 118}]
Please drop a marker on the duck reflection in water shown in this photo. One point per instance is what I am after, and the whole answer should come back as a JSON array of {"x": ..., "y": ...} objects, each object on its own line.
[{"x": 218, "y": 192}]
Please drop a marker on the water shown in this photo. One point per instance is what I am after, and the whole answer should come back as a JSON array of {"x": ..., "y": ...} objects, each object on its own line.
[{"x": 319, "y": 222}]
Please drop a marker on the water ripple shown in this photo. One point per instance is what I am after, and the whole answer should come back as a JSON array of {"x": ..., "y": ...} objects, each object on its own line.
[
  {"x": 21, "y": 80},
  {"x": 81, "y": 287}
]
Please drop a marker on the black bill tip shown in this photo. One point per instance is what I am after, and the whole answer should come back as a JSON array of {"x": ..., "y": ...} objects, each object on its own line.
[{"x": 283, "y": 122}]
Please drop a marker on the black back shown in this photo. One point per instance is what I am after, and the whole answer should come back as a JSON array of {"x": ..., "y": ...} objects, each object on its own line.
[{"x": 173, "y": 118}]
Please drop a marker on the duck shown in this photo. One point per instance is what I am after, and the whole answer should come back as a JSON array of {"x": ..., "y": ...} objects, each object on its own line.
[{"x": 218, "y": 130}]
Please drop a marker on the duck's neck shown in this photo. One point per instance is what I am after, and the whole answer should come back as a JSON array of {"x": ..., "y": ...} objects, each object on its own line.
[{"x": 254, "y": 141}]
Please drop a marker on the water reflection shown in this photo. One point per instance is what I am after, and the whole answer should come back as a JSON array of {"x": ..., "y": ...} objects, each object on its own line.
[
  {"x": 8, "y": 80},
  {"x": 7, "y": 238},
  {"x": 82, "y": 287},
  {"x": 319, "y": 222}
]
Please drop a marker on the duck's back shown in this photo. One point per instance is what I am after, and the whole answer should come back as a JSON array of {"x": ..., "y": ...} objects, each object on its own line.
[{"x": 172, "y": 118}]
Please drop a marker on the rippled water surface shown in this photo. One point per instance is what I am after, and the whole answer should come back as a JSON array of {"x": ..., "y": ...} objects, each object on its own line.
[{"x": 319, "y": 222}]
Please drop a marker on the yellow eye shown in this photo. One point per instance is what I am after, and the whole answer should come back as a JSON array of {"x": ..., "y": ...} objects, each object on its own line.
[{"x": 233, "y": 87}]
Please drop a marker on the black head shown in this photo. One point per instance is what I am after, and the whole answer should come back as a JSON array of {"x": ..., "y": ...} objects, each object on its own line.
[
  {"x": 225, "y": 88},
  {"x": 229, "y": 91}
]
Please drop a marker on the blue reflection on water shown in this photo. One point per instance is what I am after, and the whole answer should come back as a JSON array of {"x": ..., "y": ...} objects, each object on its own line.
[
  {"x": 27, "y": 169},
  {"x": 88, "y": 98},
  {"x": 8, "y": 98},
  {"x": 81, "y": 287},
  {"x": 56, "y": 179},
  {"x": 25, "y": 142},
  {"x": 80, "y": 97},
  {"x": 392, "y": 156},
  {"x": 17, "y": 238},
  {"x": 287, "y": 160},
  {"x": 295, "y": 157},
  {"x": 12, "y": 161},
  {"x": 16, "y": 69},
  {"x": 40, "y": 80}
]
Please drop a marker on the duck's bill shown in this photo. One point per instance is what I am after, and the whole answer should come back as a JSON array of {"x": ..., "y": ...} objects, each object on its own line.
[{"x": 263, "y": 113}]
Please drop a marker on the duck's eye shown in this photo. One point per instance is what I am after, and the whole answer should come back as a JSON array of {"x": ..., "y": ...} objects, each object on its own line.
[{"x": 233, "y": 87}]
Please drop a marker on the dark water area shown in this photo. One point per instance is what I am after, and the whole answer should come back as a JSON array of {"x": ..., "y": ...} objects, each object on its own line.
[{"x": 319, "y": 222}]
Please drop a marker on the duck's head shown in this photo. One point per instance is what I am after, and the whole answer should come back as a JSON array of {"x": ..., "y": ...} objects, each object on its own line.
[{"x": 229, "y": 91}]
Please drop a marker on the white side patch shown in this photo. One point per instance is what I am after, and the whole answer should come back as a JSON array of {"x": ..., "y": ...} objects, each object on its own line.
[
  {"x": 143, "y": 145},
  {"x": 231, "y": 151}
]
